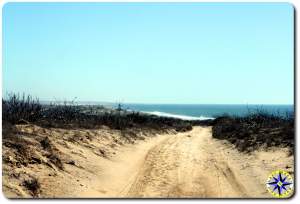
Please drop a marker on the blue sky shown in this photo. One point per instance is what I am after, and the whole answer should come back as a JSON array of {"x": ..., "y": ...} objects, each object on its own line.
[{"x": 198, "y": 53}]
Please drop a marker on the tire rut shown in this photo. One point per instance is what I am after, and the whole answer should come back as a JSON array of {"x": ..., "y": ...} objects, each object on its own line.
[{"x": 185, "y": 165}]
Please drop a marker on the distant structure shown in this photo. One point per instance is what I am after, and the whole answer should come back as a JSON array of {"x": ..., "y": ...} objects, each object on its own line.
[{"x": 119, "y": 107}]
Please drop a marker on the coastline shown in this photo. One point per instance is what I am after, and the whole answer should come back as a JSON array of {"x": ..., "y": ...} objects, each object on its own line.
[
  {"x": 74, "y": 148},
  {"x": 182, "y": 117}
]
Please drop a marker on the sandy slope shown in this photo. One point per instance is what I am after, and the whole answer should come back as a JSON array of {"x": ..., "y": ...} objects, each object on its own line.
[{"x": 190, "y": 164}]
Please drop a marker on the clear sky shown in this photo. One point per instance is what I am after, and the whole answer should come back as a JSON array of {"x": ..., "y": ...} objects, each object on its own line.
[{"x": 197, "y": 53}]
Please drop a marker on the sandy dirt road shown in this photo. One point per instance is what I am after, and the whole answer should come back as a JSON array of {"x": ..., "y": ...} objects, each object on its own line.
[{"x": 190, "y": 164}]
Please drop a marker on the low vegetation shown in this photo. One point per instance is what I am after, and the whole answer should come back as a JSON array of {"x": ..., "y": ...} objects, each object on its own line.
[
  {"x": 33, "y": 185},
  {"x": 18, "y": 109},
  {"x": 258, "y": 129},
  {"x": 246, "y": 133}
]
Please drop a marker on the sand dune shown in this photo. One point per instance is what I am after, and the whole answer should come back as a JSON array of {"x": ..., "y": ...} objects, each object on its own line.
[{"x": 189, "y": 164}]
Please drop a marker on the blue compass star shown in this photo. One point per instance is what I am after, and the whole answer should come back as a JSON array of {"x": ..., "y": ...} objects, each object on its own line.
[{"x": 279, "y": 184}]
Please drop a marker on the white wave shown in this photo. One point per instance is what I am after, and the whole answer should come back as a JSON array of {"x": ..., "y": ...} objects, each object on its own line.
[{"x": 183, "y": 117}]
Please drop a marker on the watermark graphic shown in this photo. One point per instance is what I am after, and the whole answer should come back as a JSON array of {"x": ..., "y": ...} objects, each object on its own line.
[{"x": 280, "y": 184}]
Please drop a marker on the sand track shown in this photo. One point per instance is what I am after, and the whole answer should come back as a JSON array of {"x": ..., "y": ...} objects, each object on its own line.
[
  {"x": 185, "y": 166},
  {"x": 190, "y": 164}
]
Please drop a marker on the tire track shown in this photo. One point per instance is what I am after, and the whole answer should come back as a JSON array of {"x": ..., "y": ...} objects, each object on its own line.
[{"x": 185, "y": 165}]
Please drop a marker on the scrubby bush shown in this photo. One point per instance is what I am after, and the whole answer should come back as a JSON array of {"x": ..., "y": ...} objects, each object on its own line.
[
  {"x": 18, "y": 109},
  {"x": 256, "y": 129},
  {"x": 33, "y": 185}
]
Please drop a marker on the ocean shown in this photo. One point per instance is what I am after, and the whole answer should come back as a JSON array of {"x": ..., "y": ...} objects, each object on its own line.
[
  {"x": 195, "y": 111},
  {"x": 207, "y": 111}
]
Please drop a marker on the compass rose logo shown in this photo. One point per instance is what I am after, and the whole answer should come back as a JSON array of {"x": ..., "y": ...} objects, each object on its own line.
[{"x": 280, "y": 184}]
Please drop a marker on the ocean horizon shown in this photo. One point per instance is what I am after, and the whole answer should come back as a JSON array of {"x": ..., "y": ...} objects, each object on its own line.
[
  {"x": 208, "y": 111},
  {"x": 197, "y": 111}
]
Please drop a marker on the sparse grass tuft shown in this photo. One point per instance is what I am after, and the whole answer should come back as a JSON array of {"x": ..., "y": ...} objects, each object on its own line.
[{"x": 33, "y": 185}]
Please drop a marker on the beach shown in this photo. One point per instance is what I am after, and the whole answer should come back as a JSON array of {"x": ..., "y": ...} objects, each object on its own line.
[{"x": 77, "y": 163}]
